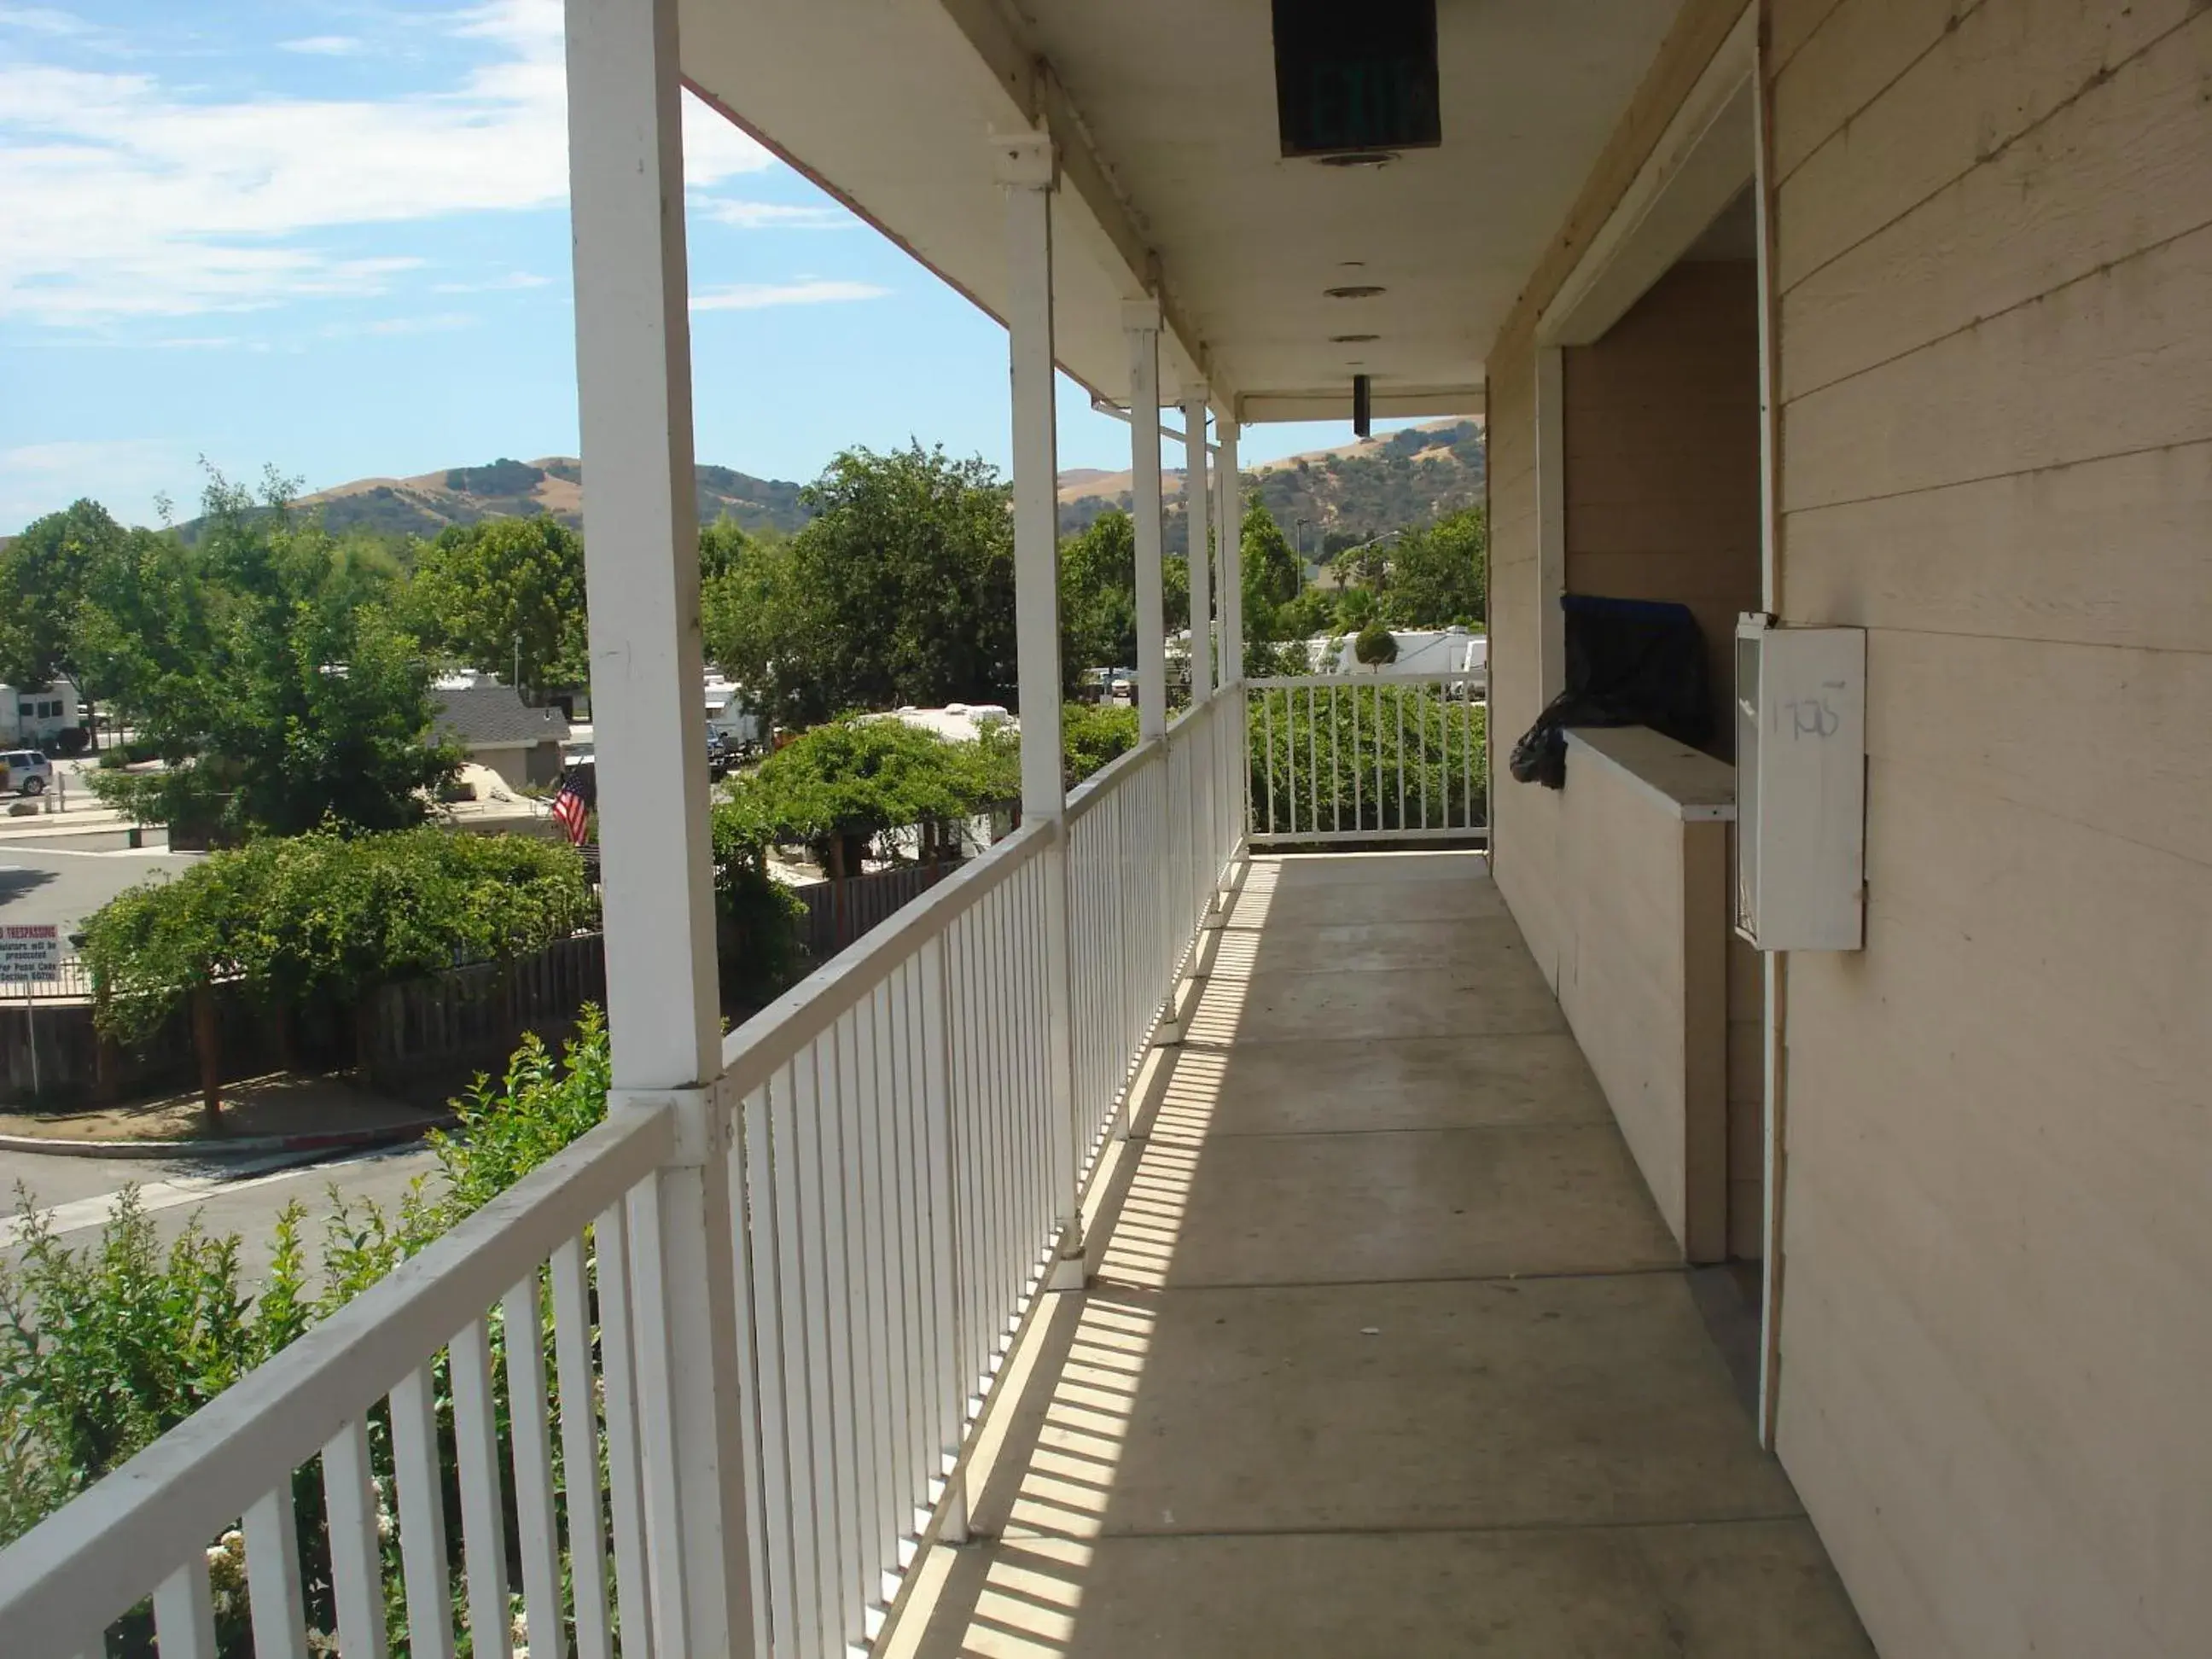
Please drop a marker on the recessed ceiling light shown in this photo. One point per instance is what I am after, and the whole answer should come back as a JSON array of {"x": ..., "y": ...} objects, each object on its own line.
[
  {"x": 1355, "y": 291},
  {"x": 1352, "y": 339}
]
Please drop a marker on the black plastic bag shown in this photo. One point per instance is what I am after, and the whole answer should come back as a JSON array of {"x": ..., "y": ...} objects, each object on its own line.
[{"x": 1630, "y": 662}]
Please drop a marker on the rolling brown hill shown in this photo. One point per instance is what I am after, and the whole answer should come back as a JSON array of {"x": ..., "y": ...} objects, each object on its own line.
[{"x": 1345, "y": 494}]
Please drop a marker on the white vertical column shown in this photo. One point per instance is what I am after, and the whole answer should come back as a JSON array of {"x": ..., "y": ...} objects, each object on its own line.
[
  {"x": 1229, "y": 528},
  {"x": 1028, "y": 174},
  {"x": 1141, "y": 322},
  {"x": 1230, "y": 537},
  {"x": 641, "y": 567},
  {"x": 1196, "y": 516}
]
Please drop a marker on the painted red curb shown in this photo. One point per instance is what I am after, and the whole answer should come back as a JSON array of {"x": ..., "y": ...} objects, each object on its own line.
[{"x": 330, "y": 1140}]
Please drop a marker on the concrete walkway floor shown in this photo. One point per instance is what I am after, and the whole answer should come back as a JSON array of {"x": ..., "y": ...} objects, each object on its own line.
[{"x": 1388, "y": 1351}]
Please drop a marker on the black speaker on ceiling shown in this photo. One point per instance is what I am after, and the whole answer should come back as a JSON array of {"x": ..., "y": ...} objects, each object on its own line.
[{"x": 1354, "y": 77}]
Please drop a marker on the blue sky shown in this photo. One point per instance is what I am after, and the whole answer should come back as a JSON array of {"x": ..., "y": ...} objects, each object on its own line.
[{"x": 331, "y": 237}]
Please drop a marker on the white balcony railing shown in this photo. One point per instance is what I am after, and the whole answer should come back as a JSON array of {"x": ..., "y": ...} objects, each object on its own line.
[
  {"x": 1367, "y": 757},
  {"x": 898, "y": 1181}
]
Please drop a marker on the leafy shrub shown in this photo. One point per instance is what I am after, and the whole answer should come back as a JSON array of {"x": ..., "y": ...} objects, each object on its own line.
[
  {"x": 1375, "y": 645},
  {"x": 327, "y": 916},
  {"x": 1093, "y": 736},
  {"x": 104, "y": 1349}
]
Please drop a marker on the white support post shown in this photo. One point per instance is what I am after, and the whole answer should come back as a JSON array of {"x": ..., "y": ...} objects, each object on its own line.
[
  {"x": 1141, "y": 322},
  {"x": 634, "y": 386},
  {"x": 1196, "y": 505},
  {"x": 1028, "y": 174},
  {"x": 1230, "y": 538},
  {"x": 1198, "y": 520}
]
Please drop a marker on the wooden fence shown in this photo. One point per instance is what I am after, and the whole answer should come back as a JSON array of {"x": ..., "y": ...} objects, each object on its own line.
[
  {"x": 839, "y": 912},
  {"x": 467, "y": 1019},
  {"x": 476, "y": 1016}
]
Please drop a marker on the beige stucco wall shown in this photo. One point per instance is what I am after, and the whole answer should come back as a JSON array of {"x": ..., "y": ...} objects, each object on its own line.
[
  {"x": 1995, "y": 270},
  {"x": 1660, "y": 423}
]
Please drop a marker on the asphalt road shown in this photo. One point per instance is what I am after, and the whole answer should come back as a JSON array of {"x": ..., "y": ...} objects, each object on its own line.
[
  {"x": 43, "y": 883},
  {"x": 227, "y": 1195}
]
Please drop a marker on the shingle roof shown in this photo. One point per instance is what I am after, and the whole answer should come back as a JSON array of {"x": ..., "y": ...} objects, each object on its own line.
[{"x": 480, "y": 714}]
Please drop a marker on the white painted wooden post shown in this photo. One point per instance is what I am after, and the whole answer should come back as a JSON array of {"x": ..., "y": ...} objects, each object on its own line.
[
  {"x": 1140, "y": 321},
  {"x": 642, "y": 565},
  {"x": 1196, "y": 516},
  {"x": 1029, "y": 173},
  {"x": 1229, "y": 533}
]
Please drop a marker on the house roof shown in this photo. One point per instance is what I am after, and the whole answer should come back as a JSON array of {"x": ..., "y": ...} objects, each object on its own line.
[{"x": 490, "y": 716}]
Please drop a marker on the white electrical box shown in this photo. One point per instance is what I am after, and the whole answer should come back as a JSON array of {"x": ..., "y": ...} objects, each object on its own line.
[{"x": 1801, "y": 786}]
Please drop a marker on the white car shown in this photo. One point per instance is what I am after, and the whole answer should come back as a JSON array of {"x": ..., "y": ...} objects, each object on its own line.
[{"x": 29, "y": 772}]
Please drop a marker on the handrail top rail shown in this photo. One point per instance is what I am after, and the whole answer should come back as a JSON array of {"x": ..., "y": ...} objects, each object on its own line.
[
  {"x": 752, "y": 1052},
  {"x": 84, "y": 1565},
  {"x": 1107, "y": 778},
  {"x": 1370, "y": 677}
]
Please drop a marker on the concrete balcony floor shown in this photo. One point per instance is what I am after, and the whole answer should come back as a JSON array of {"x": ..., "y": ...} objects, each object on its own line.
[{"x": 1388, "y": 1351}]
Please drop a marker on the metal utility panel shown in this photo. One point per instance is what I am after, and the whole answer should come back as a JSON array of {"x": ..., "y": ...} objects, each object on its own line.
[{"x": 1801, "y": 786}]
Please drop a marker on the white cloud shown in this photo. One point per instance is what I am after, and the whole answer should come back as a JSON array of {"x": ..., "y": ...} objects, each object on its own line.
[
  {"x": 512, "y": 280},
  {"x": 42, "y": 20},
  {"x": 807, "y": 291},
  {"x": 325, "y": 45},
  {"x": 775, "y": 216},
  {"x": 123, "y": 198}
]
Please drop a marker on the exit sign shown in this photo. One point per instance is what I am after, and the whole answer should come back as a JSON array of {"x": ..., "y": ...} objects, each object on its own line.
[{"x": 1355, "y": 77}]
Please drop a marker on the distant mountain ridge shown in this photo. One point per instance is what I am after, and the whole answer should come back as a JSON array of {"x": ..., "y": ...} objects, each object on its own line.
[
  {"x": 1345, "y": 495},
  {"x": 424, "y": 504}
]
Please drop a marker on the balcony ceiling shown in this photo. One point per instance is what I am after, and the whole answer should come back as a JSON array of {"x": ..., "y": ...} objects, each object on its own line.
[{"x": 1165, "y": 115}]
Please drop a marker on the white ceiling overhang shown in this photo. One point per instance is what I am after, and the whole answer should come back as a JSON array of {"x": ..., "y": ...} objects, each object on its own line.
[{"x": 1163, "y": 113}]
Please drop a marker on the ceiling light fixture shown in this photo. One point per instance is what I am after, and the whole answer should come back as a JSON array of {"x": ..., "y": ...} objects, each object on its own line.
[
  {"x": 1371, "y": 158},
  {"x": 1354, "y": 291},
  {"x": 1352, "y": 339}
]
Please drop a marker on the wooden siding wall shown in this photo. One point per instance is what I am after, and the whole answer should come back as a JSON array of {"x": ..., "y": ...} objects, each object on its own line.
[
  {"x": 1642, "y": 982},
  {"x": 1661, "y": 424},
  {"x": 1994, "y": 238}
]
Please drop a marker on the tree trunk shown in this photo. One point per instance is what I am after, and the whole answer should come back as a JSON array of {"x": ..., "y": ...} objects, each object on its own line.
[{"x": 207, "y": 1042}]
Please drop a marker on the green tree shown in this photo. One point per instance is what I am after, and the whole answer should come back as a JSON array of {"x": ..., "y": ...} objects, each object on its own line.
[
  {"x": 1099, "y": 595},
  {"x": 903, "y": 587},
  {"x": 839, "y": 786},
  {"x": 279, "y": 689},
  {"x": 754, "y": 622},
  {"x": 1375, "y": 645},
  {"x": 506, "y": 595},
  {"x": 45, "y": 573},
  {"x": 1271, "y": 577},
  {"x": 1439, "y": 576},
  {"x": 322, "y": 916}
]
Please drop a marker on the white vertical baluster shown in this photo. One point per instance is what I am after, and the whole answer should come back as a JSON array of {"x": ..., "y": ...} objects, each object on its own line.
[
  {"x": 633, "y": 1596},
  {"x": 356, "y": 1555},
  {"x": 580, "y": 1452},
  {"x": 272, "y": 1569},
  {"x": 854, "y": 1065},
  {"x": 530, "y": 1438},
  {"x": 736, "y": 1174},
  {"x": 484, "y": 1532},
  {"x": 422, "y": 1501},
  {"x": 183, "y": 1612},
  {"x": 806, "y": 1304},
  {"x": 766, "y": 1154},
  {"x": 939, "y": 1150}
]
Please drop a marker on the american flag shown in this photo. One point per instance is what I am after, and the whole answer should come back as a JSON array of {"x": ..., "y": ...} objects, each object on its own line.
[{"x": 572, "y": 803}]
